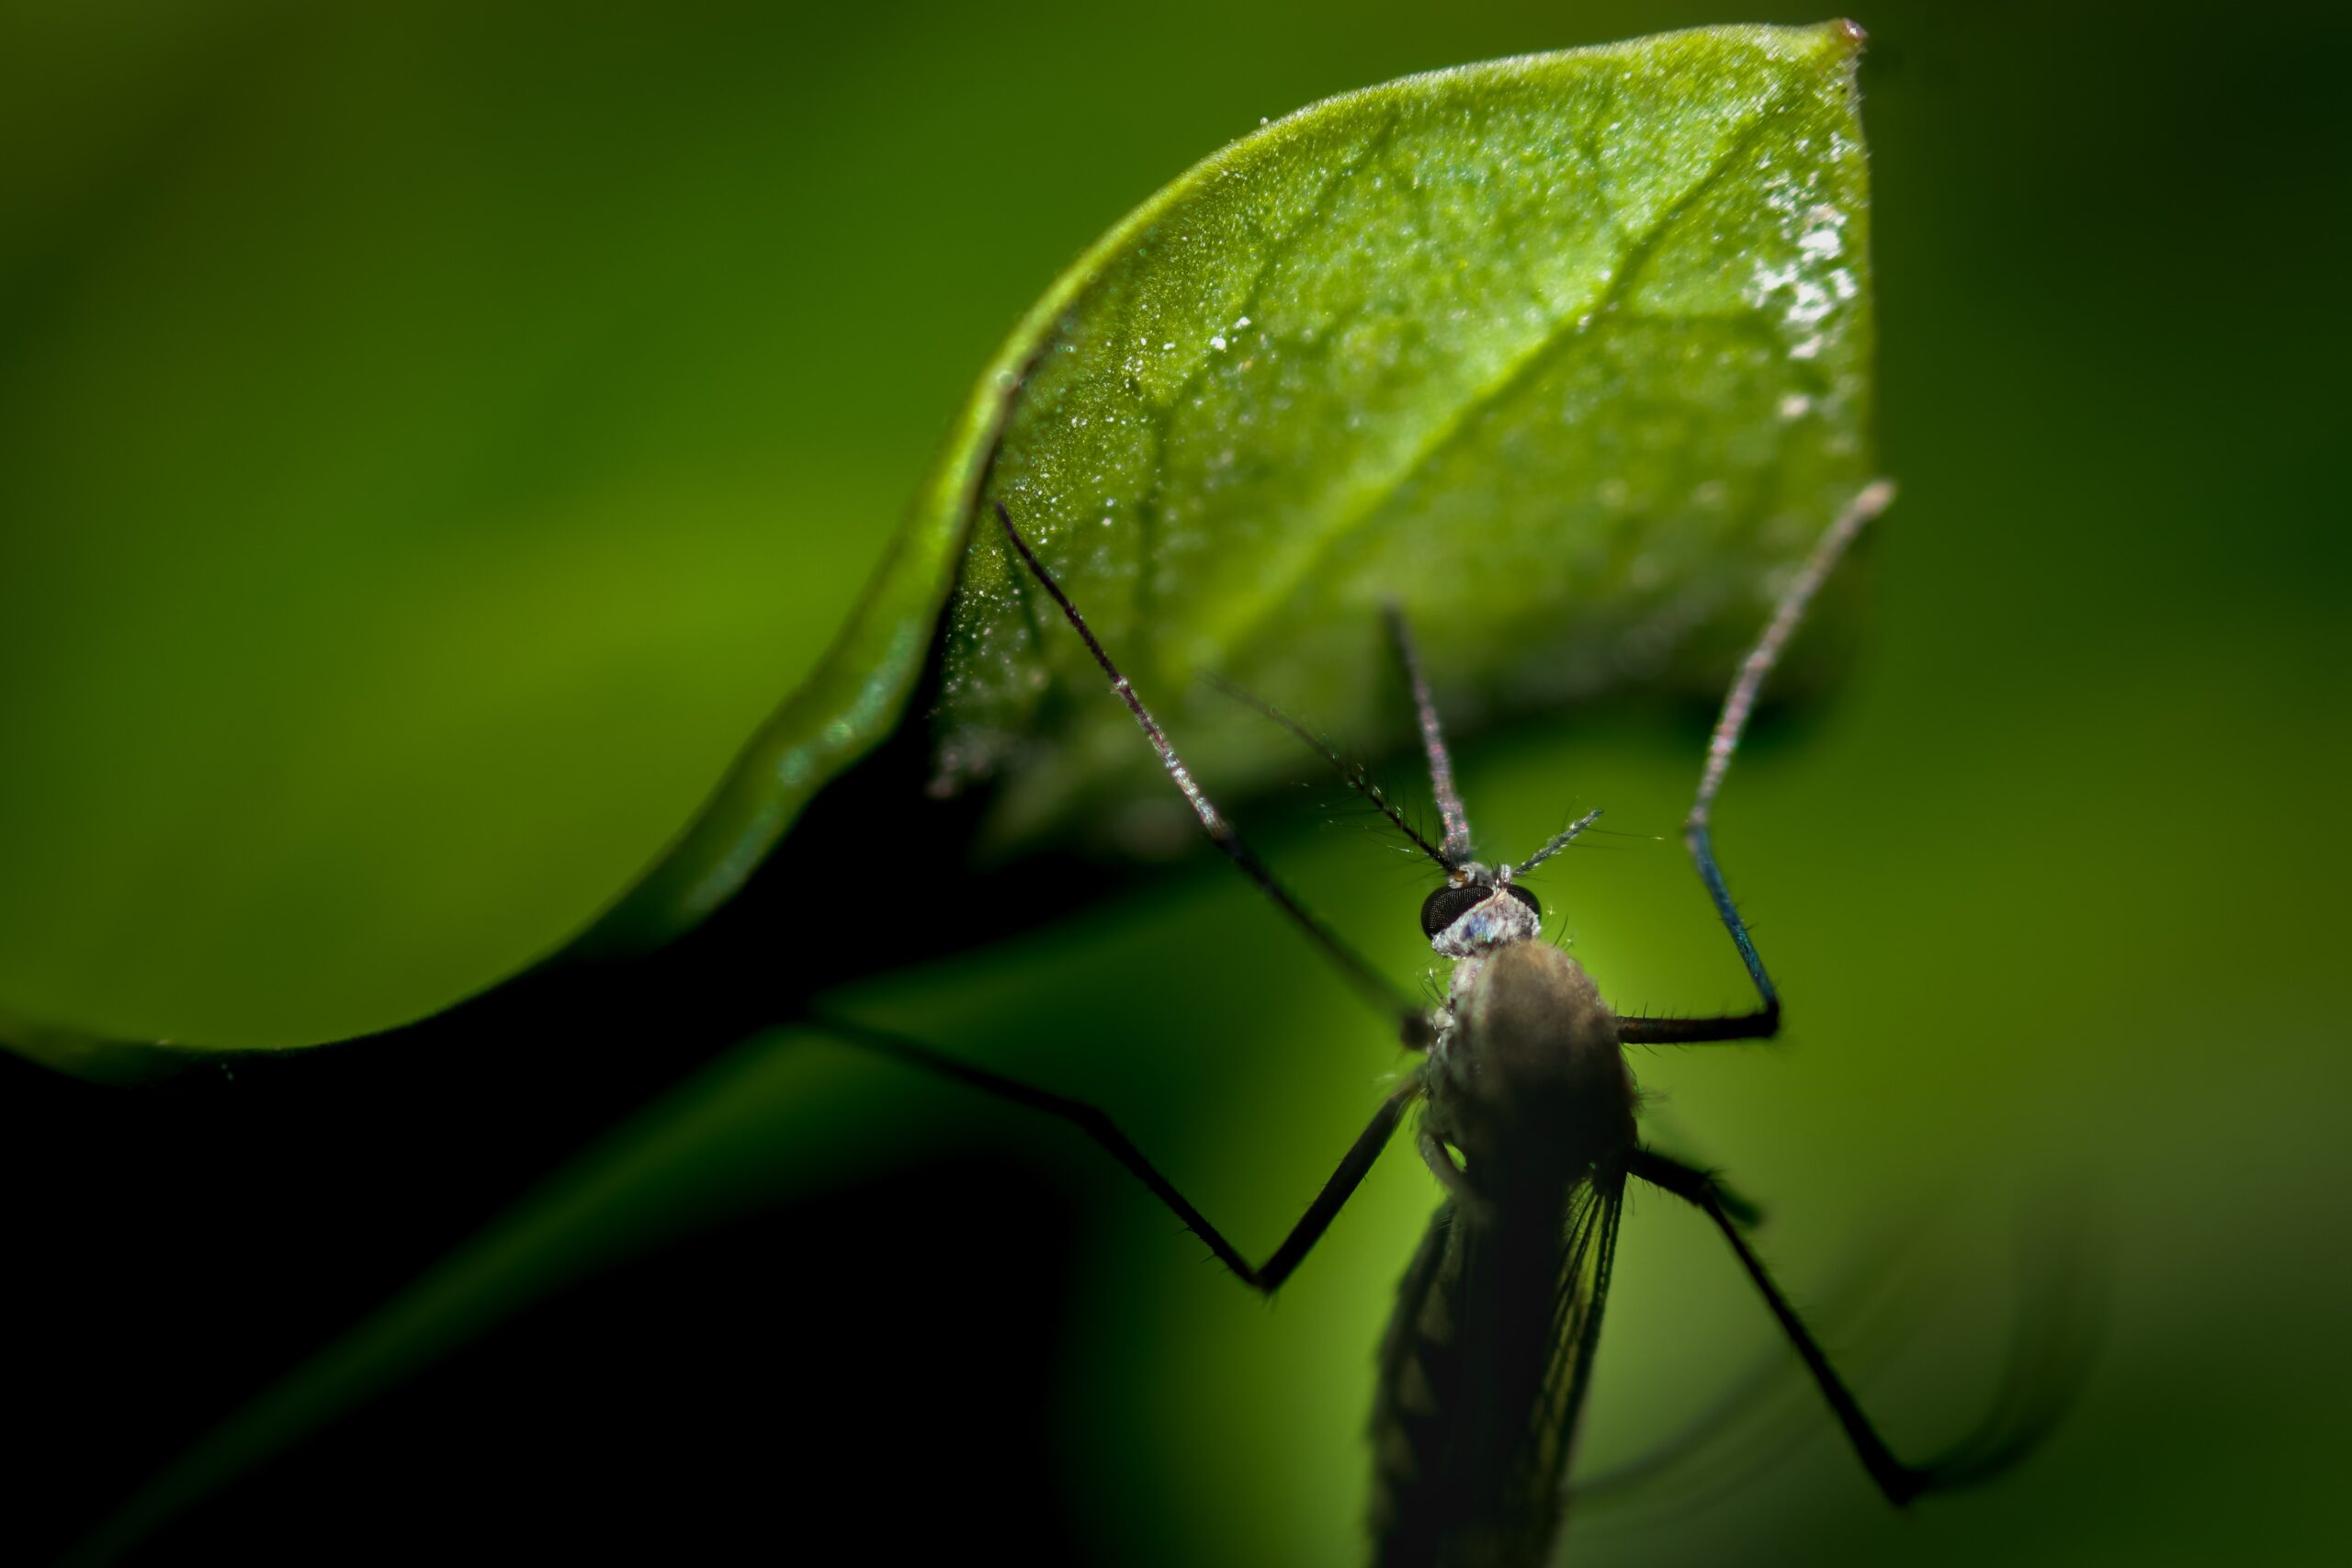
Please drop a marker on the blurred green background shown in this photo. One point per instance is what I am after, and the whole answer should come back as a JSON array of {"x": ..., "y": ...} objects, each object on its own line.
[{"x": 432, "y": 437}]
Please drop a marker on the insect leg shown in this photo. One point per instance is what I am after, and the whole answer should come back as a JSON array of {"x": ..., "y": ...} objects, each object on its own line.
[
  {"x": 2046, "y": 1370},
  {"x": 1745, "y": 1212},
  {"x": 1090, "y": 1119},
  {"x": 1413, "y": 1026},
  {"x": 1900, "y": 1482},
  {"x": 1745, "y": 1432},
  {"x": 1764, "y": 1022},
  {"x": 1455, "y": 848}
]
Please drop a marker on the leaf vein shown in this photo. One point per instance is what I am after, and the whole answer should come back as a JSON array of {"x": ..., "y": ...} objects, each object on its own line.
[{"x": 1562, "y": 335}]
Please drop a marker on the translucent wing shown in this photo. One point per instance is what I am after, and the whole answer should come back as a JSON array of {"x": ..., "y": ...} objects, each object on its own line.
[
  {"x": 1581, "y": 1292},
  {"x": 1483, "y": 1373}
]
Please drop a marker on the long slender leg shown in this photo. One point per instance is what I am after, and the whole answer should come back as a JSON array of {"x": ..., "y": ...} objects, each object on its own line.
[
  {"x": 1455, "y": 848},
  {"x": 2049, "y": 1361},
  {"x": 1090, "y": 1119},
  {"x": 1765, "y": 1020},
  {"x": 1412, "y": 1022},
  {"x": 1744, "y": 1431},
  {"x": 1900, "y": 1482}
]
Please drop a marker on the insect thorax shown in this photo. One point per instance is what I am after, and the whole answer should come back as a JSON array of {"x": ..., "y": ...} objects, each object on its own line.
[{"x": 1526, "y": 1068}]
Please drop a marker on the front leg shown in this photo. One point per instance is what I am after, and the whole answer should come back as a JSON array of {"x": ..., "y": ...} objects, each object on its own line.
[{"x": 1697, "y": 829}]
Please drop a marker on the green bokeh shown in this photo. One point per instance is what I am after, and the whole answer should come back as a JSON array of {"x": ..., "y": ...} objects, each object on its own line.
[{"x": 428, "y": 445}]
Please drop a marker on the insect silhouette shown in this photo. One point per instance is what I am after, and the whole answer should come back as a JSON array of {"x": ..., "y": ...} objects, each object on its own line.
[{"x": 1528, "y": 1121}]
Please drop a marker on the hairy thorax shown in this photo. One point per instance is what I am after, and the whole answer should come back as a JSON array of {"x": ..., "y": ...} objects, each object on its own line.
[{"x": 1527, "y": 1060}]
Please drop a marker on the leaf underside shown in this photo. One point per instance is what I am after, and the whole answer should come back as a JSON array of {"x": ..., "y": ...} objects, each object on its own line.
[
  {"x": 1567, "y": 355},
  {"x": 1564, "y": 354}
]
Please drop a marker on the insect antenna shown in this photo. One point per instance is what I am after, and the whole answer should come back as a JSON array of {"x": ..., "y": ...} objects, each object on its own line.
[
  {"x": 1352, "y": 773},
  {"x": 1559, "y": 841},
  {"x": 1413, "y": 1025},
  {"x": 1455, "y": 849}
]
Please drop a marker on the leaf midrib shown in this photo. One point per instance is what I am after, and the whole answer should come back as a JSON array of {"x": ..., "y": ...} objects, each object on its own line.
[{"x": 1247, "y": 608}]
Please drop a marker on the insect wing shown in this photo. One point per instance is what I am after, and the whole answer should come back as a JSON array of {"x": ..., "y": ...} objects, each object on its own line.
[
  {"x": 1470, "y": 1466},
  {"x": 1589, "y": 1252}
]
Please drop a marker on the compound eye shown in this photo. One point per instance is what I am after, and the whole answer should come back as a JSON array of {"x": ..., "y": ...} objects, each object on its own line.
[
  {"x": 1447, "y": 905},
  {"x": 1526, "y": 898}
]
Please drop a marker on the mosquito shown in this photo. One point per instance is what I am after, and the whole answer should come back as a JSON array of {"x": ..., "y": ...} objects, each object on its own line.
[{"x": 1528, "y": 1121}]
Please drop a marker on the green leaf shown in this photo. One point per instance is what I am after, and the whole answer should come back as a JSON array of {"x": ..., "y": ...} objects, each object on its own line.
[{"x": 1566, "y": 353}]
